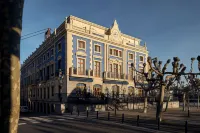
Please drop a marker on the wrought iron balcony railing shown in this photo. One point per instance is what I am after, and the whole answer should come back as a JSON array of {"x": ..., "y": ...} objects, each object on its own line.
[
  {"x": 115, "y": 76},
  {"x": 84, "y": 73}
]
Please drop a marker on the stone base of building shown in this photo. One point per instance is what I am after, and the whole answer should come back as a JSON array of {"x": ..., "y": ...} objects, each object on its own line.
[{"x": 59, "y": 108}]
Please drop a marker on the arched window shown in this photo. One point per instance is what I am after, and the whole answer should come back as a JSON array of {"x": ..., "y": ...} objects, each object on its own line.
[
  {"x": 131, "y": 90},
  {"x": 97, "y": 90},
  {"x": 80, "y": 86},
  {"x": 115, "y": 89},
  {"x": 140, "y": 92}
]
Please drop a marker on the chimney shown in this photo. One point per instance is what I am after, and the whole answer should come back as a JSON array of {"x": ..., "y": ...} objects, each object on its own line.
[{"x": 47, "y": 33}]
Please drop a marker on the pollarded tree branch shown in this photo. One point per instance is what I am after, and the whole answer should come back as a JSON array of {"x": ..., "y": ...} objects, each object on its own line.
[{"x": 149, "y": 60}]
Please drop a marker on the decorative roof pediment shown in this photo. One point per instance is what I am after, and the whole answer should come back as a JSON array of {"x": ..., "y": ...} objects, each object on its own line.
[{"x": 115, "y": 33}]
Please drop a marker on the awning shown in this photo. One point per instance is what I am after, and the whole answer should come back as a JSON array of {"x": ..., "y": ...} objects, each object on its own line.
[
  {"x": 137, "y": 85},
  {"x": 81, "y": 79},
  {"x": 115, "y": 82}
]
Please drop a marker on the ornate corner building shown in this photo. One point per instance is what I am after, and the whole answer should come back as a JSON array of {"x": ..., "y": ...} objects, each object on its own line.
[{"x": 77, "y": 55}]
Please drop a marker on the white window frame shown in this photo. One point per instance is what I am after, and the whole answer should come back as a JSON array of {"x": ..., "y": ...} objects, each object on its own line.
[
  {"x": 78, "y": 44},
  {"x": 77, "y": 64},
  {"x": 121, "y": 52},
  {"x": 99, "y": 46},
  {"x": 44, "y": 57},
  {"x": 47, "y": 55},
  {"x": 117, "y": 52},
  {"x": 129, "y": 57},
  {"x": 142, "y": 57},
  {"x": 112, "y": 51},
  {"x": 53, "y": 52},
  {"x": 109, "y": 67},
  {"x": 60, "y": 46},
  {"x": 99, "y": 66}
]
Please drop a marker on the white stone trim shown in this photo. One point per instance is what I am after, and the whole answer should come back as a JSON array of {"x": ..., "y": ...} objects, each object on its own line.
[
  {"x": 100, "y": 48},
  {"x": 77, "y": 63},
  {"x": 97, "y": 56},
  {"x": 81, "y": 53},
  {"x": 77, "y": 44},
  {"x": 91, "y": 53}
]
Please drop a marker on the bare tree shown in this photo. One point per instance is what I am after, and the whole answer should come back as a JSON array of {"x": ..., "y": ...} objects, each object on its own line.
[
  {"x": 146, "y": 81},
  {"x": 164, "y": 77},
  {"x": 169, "y": 87},
  {"x": 11, "y": 18}
]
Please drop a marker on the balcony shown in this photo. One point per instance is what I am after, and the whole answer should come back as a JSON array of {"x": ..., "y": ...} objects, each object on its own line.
[
  {"x": 115, "y": 76},
  {"x": 74, "y": 72}
]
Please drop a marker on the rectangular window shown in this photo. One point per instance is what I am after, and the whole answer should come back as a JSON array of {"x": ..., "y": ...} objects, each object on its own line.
[
  {"x": 115, "y": 52},
  {"x": 110, "y": 68},
  {"x": 59, "y": 64},
  {"x": 120, "y": 53},
  {"x": 139, "y": 92},
  {"x": 141, "y": 58},
  {"x": 59, "y": 47},
  {"x": 52, "y": 91},
  {"x": 47, "y": 55},
  {"x": 52, "y": 52},
  {"x": 48, "y": 72},
  {"x": 81, "y": 44},
  {"x": 97, "y": 48},
  {"x": 120, "y": 69},
  {"x": 52, "y": 69},
  {"x": 41, "y": 60},
  {"x": 81, "y": 66},
  {"x": 44, "y": 57},
  {"x": 44, "y": 72},
  {"x": 41, "y": 93},
  {"x": 130, "y": 56},
  {"x": 115, "y": 68},
  {"x": 44, "y": 93},
  {"x": 48, "y": 92},
  {"x": 110, "y": 51},
  {"x": 97, "y": 69}
]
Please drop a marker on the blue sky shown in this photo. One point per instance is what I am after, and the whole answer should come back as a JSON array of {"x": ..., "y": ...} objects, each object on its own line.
[{"x": 169, "y": 27}]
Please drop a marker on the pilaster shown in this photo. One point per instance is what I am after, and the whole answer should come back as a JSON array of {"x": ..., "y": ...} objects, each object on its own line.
[
  {"x": 91, "y": 55},
  {"x": 105, "y": 58},
  {"x": 125, "y": 61},
  {"x": 69, "y": 51}
]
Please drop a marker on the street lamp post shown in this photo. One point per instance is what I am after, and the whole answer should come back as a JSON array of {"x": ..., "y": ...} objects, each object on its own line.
[
  {"x": 60, "y": 107},
  {"x": 60, "y": 84}
]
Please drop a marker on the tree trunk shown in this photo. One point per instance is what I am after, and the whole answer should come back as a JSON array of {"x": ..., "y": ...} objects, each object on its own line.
[
  {"x": 188, "y": 101},
  {"x": 184, "y": 101},
  {"x": 198, "y": 100},
  {"x": 166, "y": 107},
  {"x": 11, "y": 17},
  {"x": 145, "y": 103},
  {"x": 160, "y": 103}
]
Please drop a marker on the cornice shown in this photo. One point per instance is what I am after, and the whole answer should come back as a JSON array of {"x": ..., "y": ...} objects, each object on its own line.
[
  {"x": 101, "y": 27},
  {"x": 107, "y": 41},
  {"x": 87, "y": 22},
  {"x": 42, "y": 48}
]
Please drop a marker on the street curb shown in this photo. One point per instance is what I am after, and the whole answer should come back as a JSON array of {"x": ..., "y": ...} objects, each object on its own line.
[{"x": 114, "y": 123}]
